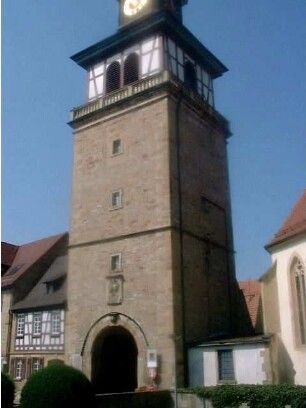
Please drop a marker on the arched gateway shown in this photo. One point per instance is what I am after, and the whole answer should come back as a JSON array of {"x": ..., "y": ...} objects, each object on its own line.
[{"x": 114, "y": 361}]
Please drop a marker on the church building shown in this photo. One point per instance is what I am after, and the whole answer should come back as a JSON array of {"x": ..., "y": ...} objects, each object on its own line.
[{"x": 151, "y": 264}]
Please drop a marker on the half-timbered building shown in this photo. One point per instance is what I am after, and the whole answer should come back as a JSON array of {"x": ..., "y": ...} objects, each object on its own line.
[
  {"x": 32, "y": 305},
  {"x": 38, "y": 324}
]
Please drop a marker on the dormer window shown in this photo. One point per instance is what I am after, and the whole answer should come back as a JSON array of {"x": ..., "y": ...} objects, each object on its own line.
[
  {"x": 54, "y": 285},
  {"x": 50, "y": 287}
]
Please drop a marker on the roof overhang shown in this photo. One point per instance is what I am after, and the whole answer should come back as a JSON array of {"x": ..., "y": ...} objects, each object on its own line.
[{"x": 234, "y": 341}]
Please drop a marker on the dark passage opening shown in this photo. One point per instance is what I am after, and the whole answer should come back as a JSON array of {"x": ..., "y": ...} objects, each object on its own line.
[{"x": 114, "y": 361}]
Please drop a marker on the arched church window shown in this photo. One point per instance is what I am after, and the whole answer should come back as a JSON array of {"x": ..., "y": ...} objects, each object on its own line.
[
  {"x": 131, "y": 69},
  {"x": 299, "y": 294},
  {"x": 113, "y": 77},
  {"x": 190, "y": 76}
]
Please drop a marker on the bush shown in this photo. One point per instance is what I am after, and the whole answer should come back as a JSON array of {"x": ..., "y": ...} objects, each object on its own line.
[
  {"x": 7, "y": 391},
  {"x": 256, "y": 396},
  {"x": 57, "y": 386}
]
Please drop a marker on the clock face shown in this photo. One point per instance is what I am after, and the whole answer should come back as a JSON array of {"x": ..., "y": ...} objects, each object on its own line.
[{"x": 132, "y": 7}]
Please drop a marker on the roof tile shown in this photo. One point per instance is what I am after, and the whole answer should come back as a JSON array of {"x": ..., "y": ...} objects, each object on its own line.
[{"x": 294, "y": 224}]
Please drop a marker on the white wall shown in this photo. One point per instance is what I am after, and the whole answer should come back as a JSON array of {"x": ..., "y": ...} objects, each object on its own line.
[
  {"x": 248, "y": 364},
  {"x": 284, "y": 255}
]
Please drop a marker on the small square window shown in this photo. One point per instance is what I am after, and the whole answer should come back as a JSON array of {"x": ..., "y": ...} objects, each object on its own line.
[
  {"x": 115, "y": 263},
  {"x": 117, "y": 199},
  {"x": 117, "y": 147}
]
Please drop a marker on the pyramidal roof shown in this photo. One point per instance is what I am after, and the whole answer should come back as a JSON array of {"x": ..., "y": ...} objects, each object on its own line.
[{"x": 294, "y": 224}]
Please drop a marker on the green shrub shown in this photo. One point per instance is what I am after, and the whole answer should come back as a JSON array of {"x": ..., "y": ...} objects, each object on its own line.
[
  {"x": 7, "y": 391},
  {"x": 57, "y": 386},
  {"x": 256, "y": 396}
]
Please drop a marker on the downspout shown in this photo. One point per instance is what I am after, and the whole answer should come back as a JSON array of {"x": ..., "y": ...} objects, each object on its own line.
[
  {"x": 181, "y": 231},
  {"x": 230, "y": 249}
]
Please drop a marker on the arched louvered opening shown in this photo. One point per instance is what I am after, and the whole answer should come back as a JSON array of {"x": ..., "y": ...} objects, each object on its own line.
[
  {"x": 113, "y": 77},
  {"x": 190, "y": 76},
  {"x": 131, "y": 69}
]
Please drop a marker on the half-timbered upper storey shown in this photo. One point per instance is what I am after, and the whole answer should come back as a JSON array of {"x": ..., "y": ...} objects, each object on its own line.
[{"x": 137, "y": 57}]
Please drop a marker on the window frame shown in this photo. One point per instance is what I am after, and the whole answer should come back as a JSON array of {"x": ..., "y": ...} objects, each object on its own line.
[
  {"x": 37, "y": 325},
  {"x": 56, "y": 320},
  {"x": 297, "y": 273},
  {"x": 19, "y": 368},
  {"x": 114, "y": 151},
  {"x": 225, "y": 378},
  {"x": 115, "y": 206},
  {"x": 20, "y": 325},
  {"x": 37, "y": 364}
]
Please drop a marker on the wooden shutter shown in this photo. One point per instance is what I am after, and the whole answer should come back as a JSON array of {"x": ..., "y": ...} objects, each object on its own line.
[
  {"x": 29, "y": 367},
  {"x": 12, "y": 367},
  {"x": 41, "y": 362},
  {"x": 24, "y": 368}
]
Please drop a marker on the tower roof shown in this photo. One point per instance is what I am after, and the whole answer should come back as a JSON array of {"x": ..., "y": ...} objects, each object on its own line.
[{"x": 294, "y": 224}]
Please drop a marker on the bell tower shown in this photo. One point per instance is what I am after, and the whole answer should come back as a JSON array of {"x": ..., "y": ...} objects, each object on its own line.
[{"x": 151, "y": 254}]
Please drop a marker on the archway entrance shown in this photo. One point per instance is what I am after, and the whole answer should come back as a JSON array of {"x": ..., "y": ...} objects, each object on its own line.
[{"x": 114, "y": 361}]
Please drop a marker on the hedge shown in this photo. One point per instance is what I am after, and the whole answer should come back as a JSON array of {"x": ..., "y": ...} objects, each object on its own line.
[
  {"x": 57, "y": 386},
  {"x": 7, "y": 391},
  {"x": 256, "y": 396}
]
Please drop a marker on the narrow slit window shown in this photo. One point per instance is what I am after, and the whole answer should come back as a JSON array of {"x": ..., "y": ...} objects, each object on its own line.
[
  {"x": 116, "y": 147},
  {"x": 115, "y": 263},
  {"x": 116, "y": 199},
  {"x": 299, "y": 294}
]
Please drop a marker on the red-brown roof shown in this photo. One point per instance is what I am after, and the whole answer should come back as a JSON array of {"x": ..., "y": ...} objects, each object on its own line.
[
  {"x": 252, "y": 294},
  {"x": 8, "y": 252},
  {"x": 26, "y": 256},
  {"x": 294, "y": 224}
]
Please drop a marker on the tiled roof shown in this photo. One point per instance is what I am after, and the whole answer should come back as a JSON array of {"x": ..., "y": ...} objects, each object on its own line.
[
  {"x": 294, "y": 224},
  {"x": 27, "y": 255},
  {"x": 38, "y": 297},
  {"x": 8, "y": 252},
  {"x": 252, "y": 294}
]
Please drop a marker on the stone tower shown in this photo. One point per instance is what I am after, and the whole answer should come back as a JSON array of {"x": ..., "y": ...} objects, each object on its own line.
[{"x": 150, "y": 255}]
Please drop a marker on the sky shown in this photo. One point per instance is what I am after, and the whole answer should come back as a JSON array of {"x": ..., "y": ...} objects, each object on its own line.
[{"x": 263, "y": 95}]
